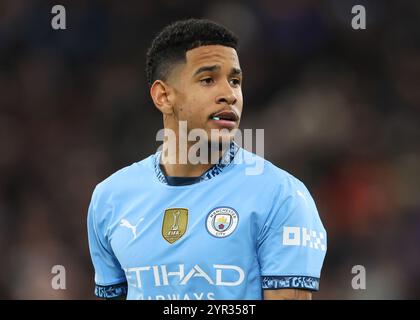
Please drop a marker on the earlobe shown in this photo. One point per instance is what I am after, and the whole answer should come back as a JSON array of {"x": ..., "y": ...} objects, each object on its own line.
[{"x": 159, "y": 91}]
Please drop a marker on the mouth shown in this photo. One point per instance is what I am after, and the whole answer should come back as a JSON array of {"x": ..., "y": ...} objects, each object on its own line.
[{"x": 225, "y": 117}]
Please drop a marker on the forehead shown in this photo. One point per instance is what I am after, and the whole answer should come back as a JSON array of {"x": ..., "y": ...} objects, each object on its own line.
[{"x": 212, "y": 55}]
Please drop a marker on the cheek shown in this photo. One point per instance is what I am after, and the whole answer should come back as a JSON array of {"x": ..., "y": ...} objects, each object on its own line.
[
  {"x": 189, "y": 111},
  {"x": 183, "y": 108},
  {"x": 196, "y": 107},
  {"x": 240, "y": 101}
]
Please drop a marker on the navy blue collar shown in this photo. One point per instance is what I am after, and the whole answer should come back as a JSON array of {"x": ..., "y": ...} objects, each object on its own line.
[{"x": 224, "y": 161}]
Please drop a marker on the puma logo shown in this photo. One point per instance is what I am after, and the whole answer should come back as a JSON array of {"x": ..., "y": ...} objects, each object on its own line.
[{"x": 127, "y": 224}]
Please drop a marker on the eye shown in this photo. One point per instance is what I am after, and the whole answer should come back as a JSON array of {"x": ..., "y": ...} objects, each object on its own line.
[
  {"x": 235, "y": 82},
  {"x": 206, "y": 81}
]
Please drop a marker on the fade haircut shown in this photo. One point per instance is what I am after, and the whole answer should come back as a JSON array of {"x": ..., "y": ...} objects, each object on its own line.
[{"x": 171, "y": 44}]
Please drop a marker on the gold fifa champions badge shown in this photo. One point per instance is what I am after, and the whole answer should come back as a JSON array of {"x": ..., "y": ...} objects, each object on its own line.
[{"x": 174, "y": 224}]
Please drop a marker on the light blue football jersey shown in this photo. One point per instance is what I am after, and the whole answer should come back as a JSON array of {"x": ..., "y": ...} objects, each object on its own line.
[{"x": 228, "y": 236}]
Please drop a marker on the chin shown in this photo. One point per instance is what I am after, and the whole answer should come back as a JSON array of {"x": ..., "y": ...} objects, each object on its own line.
[{"x": 222, "y": 141}]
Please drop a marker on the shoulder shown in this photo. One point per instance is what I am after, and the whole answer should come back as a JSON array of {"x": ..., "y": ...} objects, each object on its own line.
[
  {"x": 288, "y": 200},
  {"x": 279, "y": 192},
  {"x": 261, "y": 171},
  {"x": 124, "y": 179}
]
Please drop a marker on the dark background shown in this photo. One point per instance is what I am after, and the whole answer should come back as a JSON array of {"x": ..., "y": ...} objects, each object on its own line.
[{"x": 340, "y": 109}]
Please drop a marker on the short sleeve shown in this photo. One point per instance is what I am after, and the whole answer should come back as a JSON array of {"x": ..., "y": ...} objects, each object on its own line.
[
  {"x": 293, "y": 242},
  {"x": 110, "y": 280}
]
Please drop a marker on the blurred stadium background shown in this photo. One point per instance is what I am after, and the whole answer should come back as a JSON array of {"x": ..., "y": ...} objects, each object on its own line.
[{"x": 340, "y": 109}]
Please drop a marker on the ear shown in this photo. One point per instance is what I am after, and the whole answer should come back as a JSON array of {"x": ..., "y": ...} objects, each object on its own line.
[{"x": 162, "y": 95}]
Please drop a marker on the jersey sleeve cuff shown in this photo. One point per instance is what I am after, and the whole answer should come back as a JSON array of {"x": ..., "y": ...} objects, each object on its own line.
[
  {"x": 111, "y": 291},
  {"x": 290, "y": 282}
]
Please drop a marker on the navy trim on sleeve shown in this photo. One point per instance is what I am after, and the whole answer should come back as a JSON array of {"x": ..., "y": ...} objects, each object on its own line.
[
  {"x": 112, "y": 291},
  {"x": 290, "y": 282}
]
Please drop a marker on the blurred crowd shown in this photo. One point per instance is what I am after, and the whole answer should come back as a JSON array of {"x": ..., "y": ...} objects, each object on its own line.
[{"x": 340, "y": 109}]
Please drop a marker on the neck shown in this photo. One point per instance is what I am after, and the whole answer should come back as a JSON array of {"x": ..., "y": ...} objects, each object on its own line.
[{"x": 174, "y": 164}]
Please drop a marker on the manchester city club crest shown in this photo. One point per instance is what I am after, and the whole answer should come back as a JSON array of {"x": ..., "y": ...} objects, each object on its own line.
[
  {"x": 222, "y": 221},
  {"x": 174, "y": 224}
]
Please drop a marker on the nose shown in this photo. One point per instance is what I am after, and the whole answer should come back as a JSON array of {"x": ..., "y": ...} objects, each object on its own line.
[{"x": 227, "y": 95}]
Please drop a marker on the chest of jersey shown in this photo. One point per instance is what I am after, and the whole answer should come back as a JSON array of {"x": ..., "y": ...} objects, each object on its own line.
[{"x": 187, "y": 239}]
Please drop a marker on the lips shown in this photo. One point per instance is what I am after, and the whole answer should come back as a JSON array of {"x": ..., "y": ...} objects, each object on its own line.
[
  {"x": 226, "y": 115},
  {"x": 225, "y": 119}
]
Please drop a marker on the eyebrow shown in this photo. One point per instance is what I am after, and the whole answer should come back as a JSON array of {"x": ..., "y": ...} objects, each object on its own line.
[{"x": 233, "y": 72}]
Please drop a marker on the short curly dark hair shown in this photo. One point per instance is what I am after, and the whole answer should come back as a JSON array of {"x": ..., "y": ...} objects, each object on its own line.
[{"x": 171, "y": 44}]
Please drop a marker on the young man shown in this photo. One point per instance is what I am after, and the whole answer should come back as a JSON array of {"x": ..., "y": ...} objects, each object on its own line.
[{"x": 162, "y": 229}]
